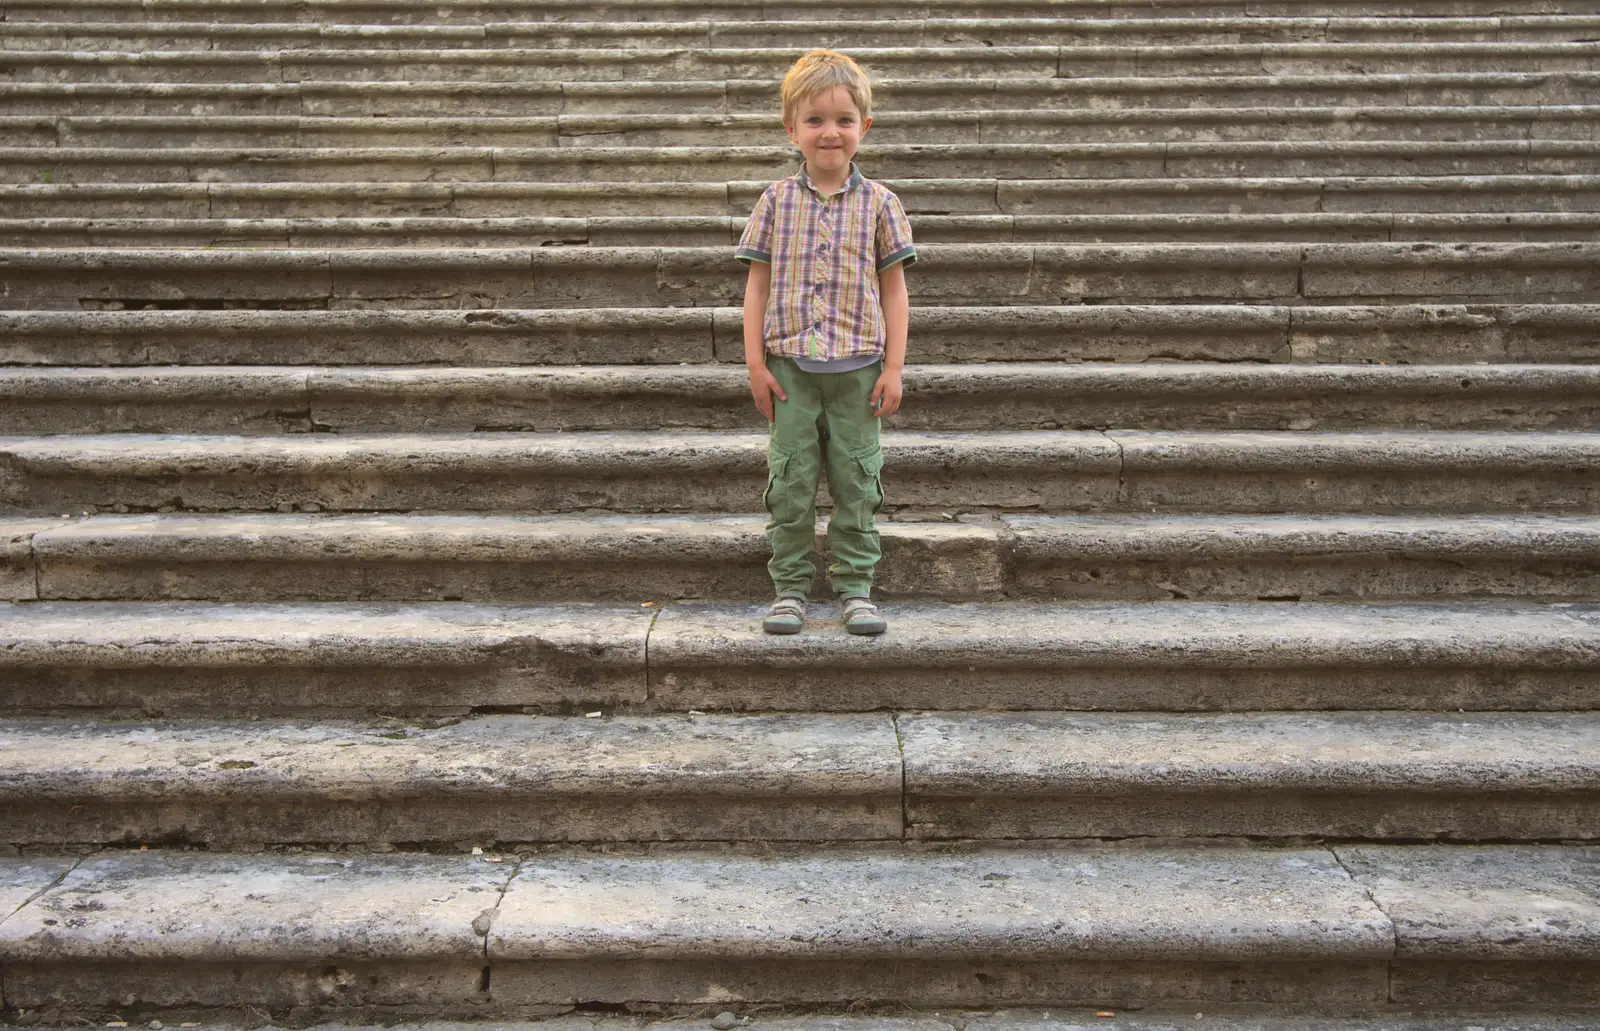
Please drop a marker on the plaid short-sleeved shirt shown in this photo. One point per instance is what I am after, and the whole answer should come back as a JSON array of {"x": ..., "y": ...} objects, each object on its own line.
[{"x": 826, "y": 254}]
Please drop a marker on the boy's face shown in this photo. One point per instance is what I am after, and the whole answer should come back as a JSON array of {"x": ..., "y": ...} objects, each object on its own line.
[{"x": 828, "y": 128}]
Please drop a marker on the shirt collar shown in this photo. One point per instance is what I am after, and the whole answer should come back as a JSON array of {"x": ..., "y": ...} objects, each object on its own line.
[{"x": 854, "y": 180}]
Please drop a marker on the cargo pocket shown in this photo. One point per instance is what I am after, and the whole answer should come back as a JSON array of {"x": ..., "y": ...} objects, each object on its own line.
[
  {"x": 777, "y": 467},
  {"x": 871, "y": 463}
]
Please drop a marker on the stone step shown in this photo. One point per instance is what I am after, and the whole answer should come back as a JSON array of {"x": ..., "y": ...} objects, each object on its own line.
[
  {"x": 1396, "y": 472},
  {"x": 547, "y": 99},
  {"x": 928, "y": 776},
  {"x": 725, "y": 231},
  {"x": 475, "y": 12},
  {"x": 945, "y": 274},
  {"x": 1145, "y": 125},
  {"x": 1174, "y": 161},
  {"x": 265, "y": 558},
  {"x": 449, "y": 658},
  {"x": 1405, "y": 197},
  {"x": 287, "y": 399},
  {"x": 1311, "y": 928},
  {"x": 848, "y": 34},
  {"x": 521, "y": 64},
  {"x": 1448, "y": 334}
]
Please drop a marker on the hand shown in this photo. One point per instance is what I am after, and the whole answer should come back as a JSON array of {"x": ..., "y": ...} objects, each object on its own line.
[
  {"x": 763, "y": 387},
  {"x": 886, "y": 394}
]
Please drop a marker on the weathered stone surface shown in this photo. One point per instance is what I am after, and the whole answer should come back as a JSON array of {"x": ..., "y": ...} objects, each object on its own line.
[
  {"x": 1370, "y": 472},
  {"x": 22, "y": 880},
  {"x": 1201, "y": 657},
  {"x": 528, "y": 472},
  {"x": 480, "y": 558},
  {"x": 839, "y": 925},
  {"x": 18, "y": 577},
  {"x": 391, "y": 337},
  {"x": 1291, "y": 557},
  {"x": 174, "y": 929},
  {"x": 437, "y": 658},
  {"x": 496, "y": 778},
  {"x": 1487, "y": 926},
  {"x": 1350, "y": 775}
]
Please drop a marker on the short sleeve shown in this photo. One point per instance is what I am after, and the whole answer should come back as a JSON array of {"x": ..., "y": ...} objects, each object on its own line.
[
  {"x": 893, "y": 235},
  {"x": 756, "y": 243}
]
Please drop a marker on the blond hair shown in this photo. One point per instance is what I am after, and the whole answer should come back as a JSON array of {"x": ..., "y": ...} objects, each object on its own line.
[{"x": 819, "y": 71}]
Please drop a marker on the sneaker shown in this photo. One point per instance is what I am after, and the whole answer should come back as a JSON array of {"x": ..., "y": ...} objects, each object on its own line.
[
  {"x": 861, "y": 616},
  {"x": 786, "y": 616}
]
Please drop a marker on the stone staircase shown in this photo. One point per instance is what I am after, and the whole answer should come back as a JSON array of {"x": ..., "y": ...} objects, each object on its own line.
[{"x": 379, "y": 502}]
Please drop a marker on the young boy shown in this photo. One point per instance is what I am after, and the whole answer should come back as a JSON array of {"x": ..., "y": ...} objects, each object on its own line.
[{"x": 825, "y": 313}]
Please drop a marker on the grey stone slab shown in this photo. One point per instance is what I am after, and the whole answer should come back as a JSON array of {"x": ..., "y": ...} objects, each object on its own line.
[
  {"x": 480, "y": 558},
  {"x": 1375, "y": 776},
  {"x": 1433, "y": 333},
  {"x": 22, "y": 880},
  {"x": 381, "y": 337},
  {"x": 693, "y": 471},
  {"x": 79, "y": 400},
  {"x": 1372, "y": 472},
  {"x": 174, "y": 929},
  {"x": 1464, "y": 272},
  {"x": 1202, "y": 656},
  {"x": 284, "y": 658},
  {"x": 1159, "y": 925},
  {"x": 1487, "y": 926},
  {"x": 18, "y": 577},
  {"x": 1292, "y": 556},
  {"x": 487, "y": 779}
]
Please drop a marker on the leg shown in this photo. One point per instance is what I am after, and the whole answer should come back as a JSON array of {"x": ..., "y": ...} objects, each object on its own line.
[
  {"x": 855, "y": 466},
  {"x": 794, "y": 465}
]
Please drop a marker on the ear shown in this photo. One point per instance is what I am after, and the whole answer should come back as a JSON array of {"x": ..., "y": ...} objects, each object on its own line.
[
  {"x": 866, "y": 123},
  {"x": 788, "y": 128}
]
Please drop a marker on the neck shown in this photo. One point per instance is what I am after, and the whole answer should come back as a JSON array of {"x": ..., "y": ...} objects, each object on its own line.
[{"x": 828, "y": 183}]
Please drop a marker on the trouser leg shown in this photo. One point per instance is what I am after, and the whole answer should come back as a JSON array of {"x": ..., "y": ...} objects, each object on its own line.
[
  {"x": 855, "y": 467},
  {"x": 794, "y": 467}
]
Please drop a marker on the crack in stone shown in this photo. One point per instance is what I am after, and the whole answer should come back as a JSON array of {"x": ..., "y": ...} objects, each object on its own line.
[
  {"x": 46, "y": 889},
  {"x": 1394, "y": 929}
]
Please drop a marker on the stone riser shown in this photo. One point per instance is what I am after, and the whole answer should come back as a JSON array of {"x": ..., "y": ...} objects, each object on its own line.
[
  {"x": 1045, "y": 471},
  {"x": 508, "y": 64},
  {"x": 522, "y": 559},
  {"x": 945, "y": 274},
  {"x": 285, "y": 399},
  {"x": 804, "y": 778},
  {"x": 1345, "y": 930},
  {"x": 1171, "y": 162},
  {"x": 696, "y": 34},
  {"x": 711, "y": 231},
  {"x": 447, "y": 658},
  {"x": 1422, "y": 124},
  {"x": 1556, "y": 334},
  {"x": 548, "y": 99},
  {"x": 589, "y": 207}
]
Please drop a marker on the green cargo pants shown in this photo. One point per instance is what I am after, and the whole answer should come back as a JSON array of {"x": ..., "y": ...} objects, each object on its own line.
[{"x": 827, "y": 419}]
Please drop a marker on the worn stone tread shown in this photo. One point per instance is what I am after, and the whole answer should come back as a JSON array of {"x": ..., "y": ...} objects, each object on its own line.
[
  {"x": 726, "y": 96},
  {"x": 448, "y": 657},
  {"x": 1422, "y": 334},
  {"x": 1118, "y": 470},
  {"x": 1148, "y": 160},
  {"x": 1198, "y": 657},
  {"x": 430, "y": 232},
  {"x": 948, "y": 273},
  {"x": 1002, "y": 126},
  {"x": 291, "y": 399},
  {"x": 532, "y": 558},
  {"x": 867, "y": 32},
  {"x": 1429, "y": 200},
  {"x": 1370, "y": 776},
  {"x": 484, "y": 779}
]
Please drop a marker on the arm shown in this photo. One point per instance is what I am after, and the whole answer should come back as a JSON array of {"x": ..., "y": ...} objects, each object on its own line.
[
  {"x": 763, "y": 386},
  {"x": 896, "y": 318}
]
